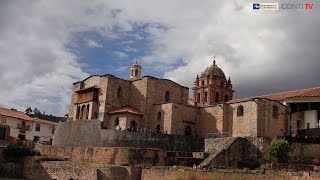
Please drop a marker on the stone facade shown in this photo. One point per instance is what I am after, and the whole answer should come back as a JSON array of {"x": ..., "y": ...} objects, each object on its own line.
[
  {"x": 162, "y": 105},
  {"x": 259, "y": 118}
]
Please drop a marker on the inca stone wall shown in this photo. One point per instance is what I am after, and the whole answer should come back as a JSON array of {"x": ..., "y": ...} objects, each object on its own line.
[{"x": 89, "y": 133}]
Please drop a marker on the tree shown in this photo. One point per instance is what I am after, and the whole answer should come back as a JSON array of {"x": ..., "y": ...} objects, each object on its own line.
[
  {"x": 28, "y": 110},
  {"x": 277, "y": 150},
  {"x": 36, "y": 111}
]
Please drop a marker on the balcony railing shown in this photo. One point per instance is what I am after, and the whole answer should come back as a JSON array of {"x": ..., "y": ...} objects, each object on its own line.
[{"x": 24, "y": 127}]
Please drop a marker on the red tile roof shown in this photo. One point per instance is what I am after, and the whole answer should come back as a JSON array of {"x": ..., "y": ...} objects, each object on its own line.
[
  {"x": 125, "y": 110},
  {"x": 15, "y": 114},
  {"x": 310, "y": 92}
]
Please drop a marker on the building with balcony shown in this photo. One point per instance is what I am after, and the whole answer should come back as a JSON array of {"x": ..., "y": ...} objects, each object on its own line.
[{"x": 16, "y": 124}]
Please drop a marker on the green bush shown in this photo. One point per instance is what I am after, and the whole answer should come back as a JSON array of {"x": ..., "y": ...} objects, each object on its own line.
[
  {"x": 277, "y": 150},
  {"x": 19, "y": 150}
]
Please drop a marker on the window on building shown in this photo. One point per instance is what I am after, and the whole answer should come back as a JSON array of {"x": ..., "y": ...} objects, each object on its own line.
[
  {"x": 2, "y": 133},
  {"x": 167, "y": 96},
  {"x": 188, "y": 131},
  {"x": 217, "y": 98},
  {"x": 275, "y": 112},
  {"x": 136, "y": 72},
  {"x": 205, "y": 96},
  {"x": 21, "y": 136},
  {"x": 116, "y": 123},
  {"x": 119, "y": 93},
  {"x": 87, "y": 112},
  {"x": 222, "y": 84},
  {"x": 202, "y": 82},
  {"x": 3, "y": 120},
  {"x": 159, "y": 116},
  {"x": 308, "y": 125},
  {"x": 240, "y": 110},
  {"x": 53, "y": 129},
  {"x": 198, "y": 97},
  {"x": 37, "y": 127},
  {"x": 226, "y": 98},
  {"x": 78, "y": 113},
  {"x": 158, "y": 128},
  {"x": 82, "y": 112},
  {"x": 36, "y": 138}
]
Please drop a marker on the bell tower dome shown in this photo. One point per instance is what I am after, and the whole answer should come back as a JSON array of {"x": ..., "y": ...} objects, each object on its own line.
[
  {"x": 212, "y": 87},
  {"x": 135, "y": 72}
]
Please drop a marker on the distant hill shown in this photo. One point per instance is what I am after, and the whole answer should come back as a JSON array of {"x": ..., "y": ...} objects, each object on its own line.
[
  {"x": 42, "y": 115},
  {"x": 48, "y": 117}
]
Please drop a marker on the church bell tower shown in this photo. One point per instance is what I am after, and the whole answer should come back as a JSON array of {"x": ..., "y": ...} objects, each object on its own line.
[{"x": 135, "y": 72}]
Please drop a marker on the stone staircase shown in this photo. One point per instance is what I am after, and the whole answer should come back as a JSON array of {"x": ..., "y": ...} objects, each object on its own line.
[{"x": 215, "y": 147}]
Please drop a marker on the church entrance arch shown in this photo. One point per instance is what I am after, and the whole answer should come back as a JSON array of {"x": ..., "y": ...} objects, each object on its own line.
[{"x": 188, "y": 131}]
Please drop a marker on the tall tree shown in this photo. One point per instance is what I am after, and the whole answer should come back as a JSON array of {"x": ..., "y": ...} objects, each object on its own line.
[{"x": 28, "y": 110}]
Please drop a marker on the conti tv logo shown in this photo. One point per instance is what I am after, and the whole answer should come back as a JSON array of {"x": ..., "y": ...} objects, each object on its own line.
[
  {"x": 297, "y": 6},
  {"x": 276, "y": 6}
]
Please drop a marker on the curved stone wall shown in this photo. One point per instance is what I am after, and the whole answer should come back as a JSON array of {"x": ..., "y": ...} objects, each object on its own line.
[{"x": 89, "y": 133}]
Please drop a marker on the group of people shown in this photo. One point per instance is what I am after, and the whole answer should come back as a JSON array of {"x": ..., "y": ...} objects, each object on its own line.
[
  {"x": 143, "y": 130},
  {"x": 199, "y": 167}
]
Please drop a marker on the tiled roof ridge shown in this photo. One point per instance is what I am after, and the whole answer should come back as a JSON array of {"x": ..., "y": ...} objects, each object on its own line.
[{"x": 292, "y": 91}]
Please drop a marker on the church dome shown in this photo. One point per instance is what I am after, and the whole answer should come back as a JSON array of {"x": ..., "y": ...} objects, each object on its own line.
[
  {"x": 136, "y": 66},
  {"x": 213, "y": 70}
]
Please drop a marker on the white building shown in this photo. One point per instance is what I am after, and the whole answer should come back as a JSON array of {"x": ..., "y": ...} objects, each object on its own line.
[{"x": 16, "y": 124}]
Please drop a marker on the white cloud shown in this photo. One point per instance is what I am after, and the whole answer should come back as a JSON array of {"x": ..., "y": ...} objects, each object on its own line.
[
  {"x": 259, "y": 50},
  {"x": 120, "y": 55},
  {"x": 92, "y": 43}
]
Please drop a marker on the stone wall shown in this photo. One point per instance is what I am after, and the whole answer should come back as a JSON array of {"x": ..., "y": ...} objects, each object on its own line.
[
  {"x": 85, "y": 171},
  {"x": 89, "y": 133},
  {"x": 35, "y": 168},
  {"x": 245, "y": 125},
  {"x": 232, "y": 152},
  {"x": 11, "y": 169},
  {"x": 301, "y": 151},
  {"x": 211, "y": 120},
  {"x": 269, "y": 125},
  {"x": 118, "y": 156},
  {"x": 183, "y": 116},
  {"x": 258, "y": 120},
  {"x": 156, "y": 174}
]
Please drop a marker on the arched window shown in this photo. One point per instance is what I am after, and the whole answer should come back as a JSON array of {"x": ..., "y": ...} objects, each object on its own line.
[
  {"x": 159, "y": 116},
  {"x": 119, "y": 93},
  {"x": 167, "y": 96},
  {"x": 136, "y": 72},
  {"x": 87, "y": 112},
  {"x": 205, "y": 96},
  {"x": 82, "y": 112},
  {"x": 240, "y": 110},
  {"x": 78, "y": 112},
  {"x": 158, "y": 128},
  {"x": 217, "y": 97},
  {"x": 226, "y": 98},
  {"x": 202, "y": 82},
  {"x": 188, "y": 131},
  {"x": 116, "y": 122},
  {"x": 275, "y": 112}
]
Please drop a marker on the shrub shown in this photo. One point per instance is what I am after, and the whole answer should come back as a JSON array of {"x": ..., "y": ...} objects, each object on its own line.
[
  {"x": 277, "y": 150},
  {"x": 19, "y": 150}
]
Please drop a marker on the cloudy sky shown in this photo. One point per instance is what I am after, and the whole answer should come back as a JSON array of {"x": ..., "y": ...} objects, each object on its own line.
[{"x": 45, "y": 46}]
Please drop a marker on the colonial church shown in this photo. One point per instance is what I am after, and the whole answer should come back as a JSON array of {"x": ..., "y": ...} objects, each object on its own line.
[{"x": 164, "y": 106}]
